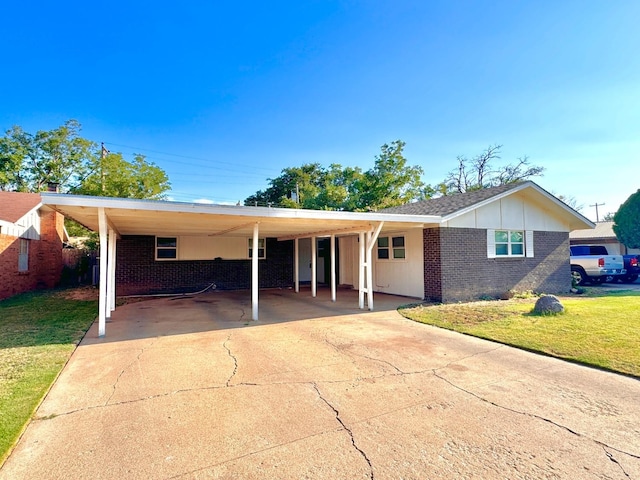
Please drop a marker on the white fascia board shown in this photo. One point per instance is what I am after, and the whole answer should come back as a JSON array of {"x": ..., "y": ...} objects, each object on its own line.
[
  {"x": 582, "y": 219},
  {"x": 245, "y": 211}
]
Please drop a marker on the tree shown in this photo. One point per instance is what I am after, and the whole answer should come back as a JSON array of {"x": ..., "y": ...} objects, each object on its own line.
[
  {"x": 478, "y": 173},
  {"x": 626, "y": 221},
  {"x": 570, "y": 201},
  {"x": 390, "y": 182},
  {"x": 296, "y": 187},
  {"x": 29, "y": 162},
  {"x": 110, "y": 175}
]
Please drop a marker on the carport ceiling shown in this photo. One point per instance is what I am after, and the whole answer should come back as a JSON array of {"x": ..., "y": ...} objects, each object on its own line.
[{"x": 148, "y": 217}]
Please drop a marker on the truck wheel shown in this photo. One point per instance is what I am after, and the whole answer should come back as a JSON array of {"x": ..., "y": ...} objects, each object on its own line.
[
  {"x": 628, "y": 278},
  {"x": 578, "y": 275}
]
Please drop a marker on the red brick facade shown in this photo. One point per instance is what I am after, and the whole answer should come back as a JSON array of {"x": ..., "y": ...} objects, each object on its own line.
[
  {"x": 456, "y": 267},
  {"x": 45, "y": 258},
  {"x": 138, "y": 272}
]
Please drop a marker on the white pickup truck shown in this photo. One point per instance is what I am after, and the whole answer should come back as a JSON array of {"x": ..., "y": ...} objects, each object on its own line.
[{"x": 592, "y": 263}]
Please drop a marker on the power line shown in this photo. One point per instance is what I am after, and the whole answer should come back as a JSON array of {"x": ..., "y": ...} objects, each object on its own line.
[{"x": 208, "y": 160}]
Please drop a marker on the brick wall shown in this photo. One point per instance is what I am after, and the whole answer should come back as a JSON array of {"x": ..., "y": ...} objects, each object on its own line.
[
  {"x": 432, "y": 265},
  {"x": 45, "y": 258},
  {"x": 137, "y": 271},
  {"x": 468, "y": 274}
]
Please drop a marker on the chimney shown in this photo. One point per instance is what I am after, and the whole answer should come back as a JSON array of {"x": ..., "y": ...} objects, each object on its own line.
[{"x": 53, "y": 187}]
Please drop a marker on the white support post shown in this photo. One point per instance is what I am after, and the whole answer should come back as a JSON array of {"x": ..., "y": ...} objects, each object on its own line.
[
  {"x": 372, "y": 239},
  {"x": 296, "y": 264},
  {"x": 314, "y": 261},
  {"x": 333, "y": 267},
  {"x": 254, "y": 274},
  {"x": 102, "y": 298},
  {"x": 369, "y": 263},
  {"x": 361, "y": 270},
  {"x": 111, "y": 283}
]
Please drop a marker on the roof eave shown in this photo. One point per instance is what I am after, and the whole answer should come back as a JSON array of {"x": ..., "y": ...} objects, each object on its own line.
[{"x": 247, "y": 211}]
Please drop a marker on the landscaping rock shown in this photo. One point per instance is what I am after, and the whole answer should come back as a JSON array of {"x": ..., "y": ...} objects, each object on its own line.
[{"x": 548, "y": 304}]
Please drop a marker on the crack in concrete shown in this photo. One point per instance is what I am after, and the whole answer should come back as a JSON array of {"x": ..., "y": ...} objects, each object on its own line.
[
  {"x": 115, "y": 384},
  {"x": 346, "y": 429},
  {"x": 539, "y": 417},
  {"x": 612, "y": 458},
  {"x": 235, "y": 361}
]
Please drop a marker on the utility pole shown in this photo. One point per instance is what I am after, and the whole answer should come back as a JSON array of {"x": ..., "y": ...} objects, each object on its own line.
[
  {"x": 103, "y": 155},
  {"x": 597, "y": 205}
]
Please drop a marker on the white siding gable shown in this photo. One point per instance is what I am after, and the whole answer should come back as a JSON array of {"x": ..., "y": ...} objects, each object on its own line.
[
  {"x": 27, "y": 226},
  {"x": 514, "y": 212}
]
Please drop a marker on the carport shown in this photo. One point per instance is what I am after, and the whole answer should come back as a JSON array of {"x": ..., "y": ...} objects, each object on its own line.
[{"x": 115, "y": 217}]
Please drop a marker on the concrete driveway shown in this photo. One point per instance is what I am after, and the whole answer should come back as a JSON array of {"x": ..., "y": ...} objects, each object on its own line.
[{"x": 189, "y": 388}]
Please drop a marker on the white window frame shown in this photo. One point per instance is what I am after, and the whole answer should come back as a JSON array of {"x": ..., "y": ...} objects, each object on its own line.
[
  {"x": 23, "y": 255},
  {"x": 393, "y": 251},
  {"x": 166, "y": 248},
  {"x": 262, "y": 248},
  {"x": 527, "y": 243}
]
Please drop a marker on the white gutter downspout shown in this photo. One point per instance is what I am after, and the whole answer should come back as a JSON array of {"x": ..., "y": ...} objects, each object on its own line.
[
  {"x": 254, "y": 273},
  {"x": 102, "y": 298}
]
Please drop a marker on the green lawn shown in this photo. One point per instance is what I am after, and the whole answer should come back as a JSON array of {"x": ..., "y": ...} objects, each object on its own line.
[
  {"x": 38, "y": 333},
  {"x": 598, "y": 329}
]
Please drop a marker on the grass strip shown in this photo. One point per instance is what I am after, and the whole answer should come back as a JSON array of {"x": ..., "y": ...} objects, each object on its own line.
[
  {"x": 601, "y": 331},
  {"x": 38, "y": 333}
]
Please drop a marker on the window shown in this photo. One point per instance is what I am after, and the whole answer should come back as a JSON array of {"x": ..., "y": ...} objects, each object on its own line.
[
  {"x": 23, "y": 256},
  {"x": 393, "y": 249},
  {"x": 262, "y": 251},
  {"x": 509, "y": 243},
  {"x": 166, "y": 248}
]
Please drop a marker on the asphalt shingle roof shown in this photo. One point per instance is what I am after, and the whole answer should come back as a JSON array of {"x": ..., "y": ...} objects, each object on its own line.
[
  {"x": 14, "y": 205},
  {"x": 602, "y": 230},
  {"x": 449, "y": 204}
]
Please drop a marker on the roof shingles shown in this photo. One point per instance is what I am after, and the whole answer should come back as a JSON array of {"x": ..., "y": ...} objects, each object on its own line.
[
  {"x": 15, "y": 205},
  {"x": 449, "y": 204}
]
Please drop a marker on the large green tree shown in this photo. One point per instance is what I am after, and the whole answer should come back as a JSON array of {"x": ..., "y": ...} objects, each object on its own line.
[
  {"x": 390, "y": 182},
  {"x": 28, "y": 162},
  {"x": 627, "y": 221},
  {"x": 110, "y": 175}
]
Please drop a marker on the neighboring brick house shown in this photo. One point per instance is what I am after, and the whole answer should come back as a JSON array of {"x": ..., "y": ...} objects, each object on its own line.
[{"x": 31, "y": 237}]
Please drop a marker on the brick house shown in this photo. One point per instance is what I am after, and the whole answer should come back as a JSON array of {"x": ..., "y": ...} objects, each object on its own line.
[
  {"x": 31, "y": 237},
  {"x": 512, "y": 237},
  {"x": 461, "y": 247}
]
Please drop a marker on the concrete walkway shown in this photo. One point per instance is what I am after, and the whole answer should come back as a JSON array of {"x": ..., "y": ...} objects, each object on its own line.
[{"x": 189, "y": 388}]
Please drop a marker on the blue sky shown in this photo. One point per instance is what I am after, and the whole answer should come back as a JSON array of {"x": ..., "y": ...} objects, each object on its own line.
[{"x": 223, "y": 95}]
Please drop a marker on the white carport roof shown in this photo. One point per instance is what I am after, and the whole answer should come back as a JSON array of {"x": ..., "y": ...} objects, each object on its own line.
[
  {"x": 152, "y": 217},
  {"x": 113, "y": 217}
]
